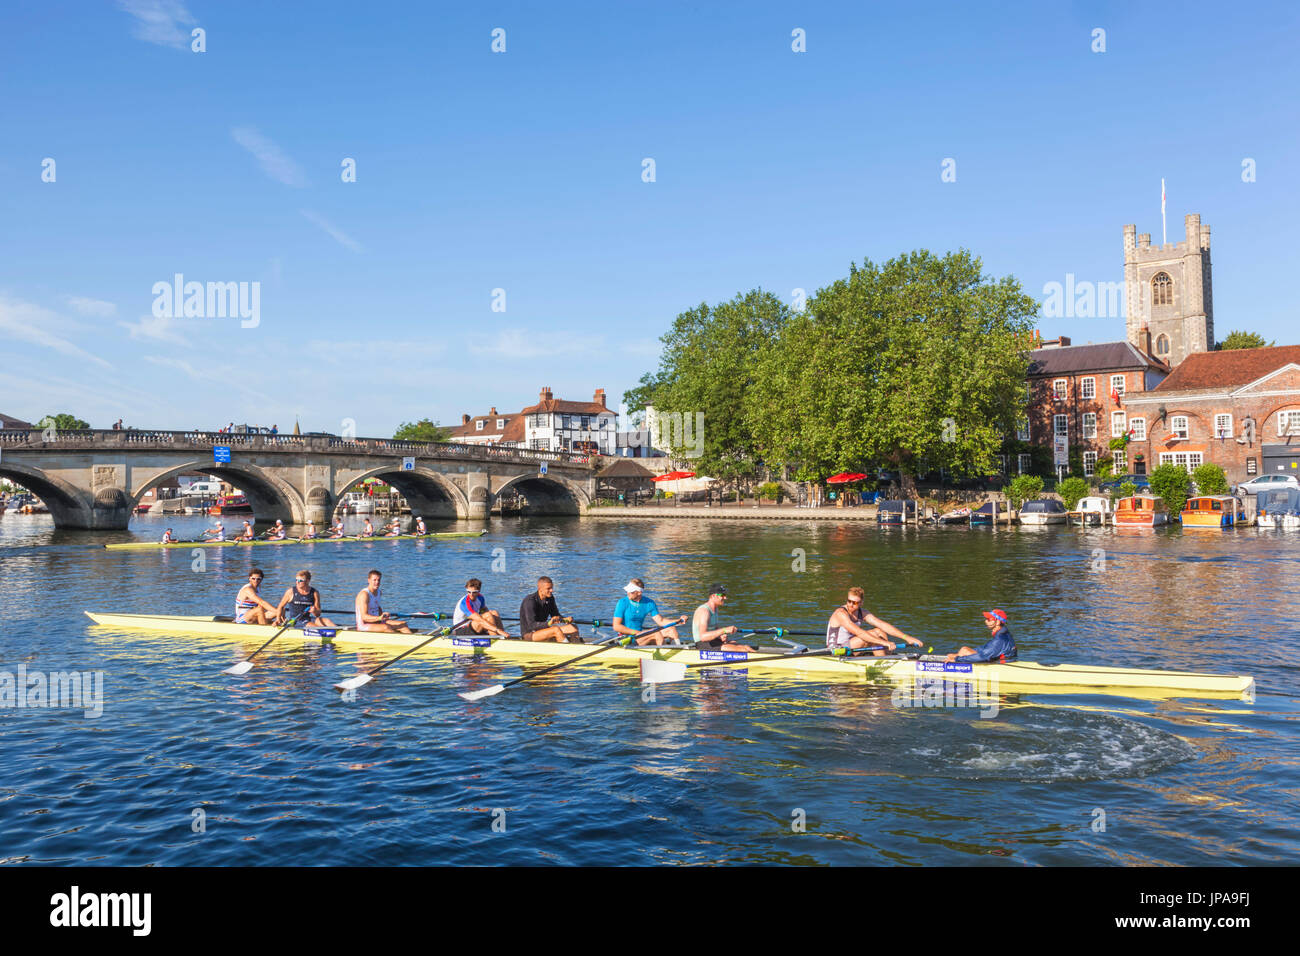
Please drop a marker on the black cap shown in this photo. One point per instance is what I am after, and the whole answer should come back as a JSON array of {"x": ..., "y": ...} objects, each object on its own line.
[{"x": 717, "y": 589}]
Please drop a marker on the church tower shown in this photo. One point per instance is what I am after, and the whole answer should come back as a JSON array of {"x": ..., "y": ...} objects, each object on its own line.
[{"x": 1169, "y": 294}]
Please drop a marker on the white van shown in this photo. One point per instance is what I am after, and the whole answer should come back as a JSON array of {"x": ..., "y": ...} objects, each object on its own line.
[{"x": 203, "y": 488}]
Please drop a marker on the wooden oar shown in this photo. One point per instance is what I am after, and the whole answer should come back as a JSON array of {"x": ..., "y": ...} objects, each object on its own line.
[
  {"x": 246, "y": 665},
  {"x": 618, "y": 640},
  {"x": 352, "y": 683},
  {"x": 668, "y": 672}
]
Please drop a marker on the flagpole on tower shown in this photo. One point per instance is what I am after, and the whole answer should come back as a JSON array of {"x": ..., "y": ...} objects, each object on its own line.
[{"x": 1164, "y": 231}]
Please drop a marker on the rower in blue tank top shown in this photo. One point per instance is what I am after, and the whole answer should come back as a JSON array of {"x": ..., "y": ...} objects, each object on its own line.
[
  {"x": 1000, "y": 648},
  {"x": 637, "y": 611}
]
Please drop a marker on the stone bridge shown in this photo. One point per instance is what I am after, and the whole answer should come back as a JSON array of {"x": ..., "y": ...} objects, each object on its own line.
[{"x": 95, "y": 478}]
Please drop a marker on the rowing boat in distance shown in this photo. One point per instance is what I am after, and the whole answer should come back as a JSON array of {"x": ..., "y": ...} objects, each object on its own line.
[
  {"x": 990, "y": 678},
  {"x": 147, "y": 545}
]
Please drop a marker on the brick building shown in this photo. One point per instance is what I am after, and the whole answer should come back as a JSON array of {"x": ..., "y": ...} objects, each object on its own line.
[
  {"x": 1079, "y": 392},
  {"x": 489, "y": 429},
  {"x": 1239, "y": 409}
]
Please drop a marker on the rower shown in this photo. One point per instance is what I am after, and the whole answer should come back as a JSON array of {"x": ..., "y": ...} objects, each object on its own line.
[
  {"x": 852, "y": 627},
  {"x": 168, "y": 538},
  {"x": 301, "y": 603},
  {"x": 473, "y": 608},
  {"x": 419, "y": 526},
  {"x": 337, "y": 530},
  {"x": 704, "y": 624},
  {"x": 250, "y": 608},
  {"x": 634, "y": 608},
  {"x": 277, "y": 532},
  {"x": 393, "y": 529},
  {"x": 247, "y": 534},
  {"x": 370, "y": 614},
  {"x": 218, "y": 532},
  {"x": 1001, "y": 646},
  {"x": 369, "y": 530},
  {"x": 310, "y": 533},
  {"x": 540, "y": 620}
]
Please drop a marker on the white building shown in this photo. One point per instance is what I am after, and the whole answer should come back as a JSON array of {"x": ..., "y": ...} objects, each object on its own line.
[{"x": 559, "y": 425}]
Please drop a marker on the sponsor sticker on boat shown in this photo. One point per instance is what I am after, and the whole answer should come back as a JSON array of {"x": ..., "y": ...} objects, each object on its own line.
[
  {"x": 471, "y": 642},
  {"x": 324, "y": 633},
  {"x": 943, "y": 667},
  {"x": 723, "y": 656}
]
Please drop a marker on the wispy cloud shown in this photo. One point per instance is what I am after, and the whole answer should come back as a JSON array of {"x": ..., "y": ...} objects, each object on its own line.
[
  {"x": 164, "y": 22},
  {"x": 333, "y": 231},
  {"x": 95, "y": 308},
  {"x": 35, "y": 325},
  {"x": 513, "y": 344},
  {"x": 269, "y": 156},
  {"x": 233, "y": 378},
  {"x": 151, "y": 328},
  {"x": 379, "y": 353}
]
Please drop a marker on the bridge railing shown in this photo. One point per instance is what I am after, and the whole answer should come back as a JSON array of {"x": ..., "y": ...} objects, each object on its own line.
[{"x": 104, "y": 438}]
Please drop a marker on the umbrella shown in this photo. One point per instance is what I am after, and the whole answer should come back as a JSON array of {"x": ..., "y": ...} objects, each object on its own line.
[
  {"x": 845, "y": 477},
  {"x": 674, "y": 476}
]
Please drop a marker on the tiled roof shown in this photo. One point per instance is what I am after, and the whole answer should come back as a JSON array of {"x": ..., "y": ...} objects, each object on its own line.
[
  {"x": 566, "y": 408},
  {"x": 1091, "y": 358},
  {"x": 1231, "y": 368},
  {"x": 8, "y": 421}
]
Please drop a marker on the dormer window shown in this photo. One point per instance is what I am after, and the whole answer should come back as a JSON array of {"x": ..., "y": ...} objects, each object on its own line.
[
  {"x": 501, "y": 423},
  {"x": 478, "y": 425},
  {"x": 1162, "y": 289}
]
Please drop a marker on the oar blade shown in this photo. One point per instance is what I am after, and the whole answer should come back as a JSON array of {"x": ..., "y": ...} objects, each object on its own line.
[
  {"x": 661, "y": 672},
  {"x": 243, "y": 667},
  {"x": 352, "y": 683},
  {"x": 485, "y": 692}
]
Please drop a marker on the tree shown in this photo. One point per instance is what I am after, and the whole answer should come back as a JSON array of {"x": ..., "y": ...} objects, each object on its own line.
[
  {"x": 1171, "y": 482},
  {"x": 916, "y": 363},
  {"x": 1023, "y": 488},
  {"x": 1243, "y": 340},
  {"x": 708, "y": 365},
  {"x": 423, "y": 430},
  {"x": 1210, "y": 479},
  {"x": 1071, "y": 490},
  {"x": 63, "y": 422}
]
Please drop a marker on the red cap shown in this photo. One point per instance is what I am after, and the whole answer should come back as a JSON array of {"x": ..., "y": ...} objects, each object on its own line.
[{"x": 997, "y": 613}]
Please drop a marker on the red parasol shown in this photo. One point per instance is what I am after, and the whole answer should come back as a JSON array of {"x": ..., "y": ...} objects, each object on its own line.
[
  {"x": 674, "y": 476},
  {"x": 845, "y": 477}
]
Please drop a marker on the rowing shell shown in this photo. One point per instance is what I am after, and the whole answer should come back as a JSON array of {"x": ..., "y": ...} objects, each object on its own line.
[
  {"x": 988, "y": 678},
  {"x": 146, "y": 545}
]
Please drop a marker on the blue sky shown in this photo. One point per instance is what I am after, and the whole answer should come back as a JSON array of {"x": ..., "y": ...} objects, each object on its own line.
[{"x": 522, "y": 171}]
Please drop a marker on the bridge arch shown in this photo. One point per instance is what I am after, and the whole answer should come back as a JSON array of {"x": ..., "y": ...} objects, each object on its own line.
[
  {"x": 270, "y": 497},
  {"x": 429, "y": 493},
  {"x": 69, "y": 506},
  {"x": 546, "y": 495}
]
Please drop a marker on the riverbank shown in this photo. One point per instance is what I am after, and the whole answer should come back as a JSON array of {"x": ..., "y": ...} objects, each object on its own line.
[{"x": 737, "y": 512}]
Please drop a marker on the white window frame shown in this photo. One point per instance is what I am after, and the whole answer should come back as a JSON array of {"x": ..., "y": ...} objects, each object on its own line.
[
  {"x": 1061, "y": 425},
  {"x": 1060, "y": 389},
  {"x": 478, "y": 425},
  {"x": 1089, "y": 424},
  {"x": 1118, "y": 424},
  {"x": 501, "y": 423},
  {"x": 1022, "y": 430},
  {"x": 1117, "y": 384},
  {"x": 1288, "y": 418},
  {"x": 1120, "y": 462},
  {"x": 1023, "y": 462},
  {"x": 1182, "y": 431},
  {"x": 1191, "y": 460},
  {"x": 1139, "y": 426},
  {"x": 1223, "y": 425},
  {"x": 1088, "y": 387},
  {"x": 1089, "y": 463}
]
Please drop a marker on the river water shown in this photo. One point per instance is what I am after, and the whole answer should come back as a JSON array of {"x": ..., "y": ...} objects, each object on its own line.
[{"x": 189, "y": 766}]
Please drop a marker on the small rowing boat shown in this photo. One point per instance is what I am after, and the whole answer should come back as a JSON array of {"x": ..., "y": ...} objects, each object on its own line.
[
  {"x": 148, "y": 545},
  {"x": 994, "y": 678}
]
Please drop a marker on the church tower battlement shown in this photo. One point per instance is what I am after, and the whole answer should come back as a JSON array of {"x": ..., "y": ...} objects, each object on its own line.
[{"x": 1169, "y": 292}]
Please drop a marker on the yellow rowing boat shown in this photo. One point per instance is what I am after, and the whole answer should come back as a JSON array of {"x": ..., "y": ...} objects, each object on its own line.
[{"x": 150, "y": 545}]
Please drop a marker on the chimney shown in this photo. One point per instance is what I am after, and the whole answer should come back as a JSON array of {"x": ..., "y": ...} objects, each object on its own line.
[
  {"x": 545, "y": 394},
  {"x": 493, "y": 413},
  {"x": 1146, "y": 339},
  {"x": 600, "y": 398},
  {"x": 464, "y": 419}
]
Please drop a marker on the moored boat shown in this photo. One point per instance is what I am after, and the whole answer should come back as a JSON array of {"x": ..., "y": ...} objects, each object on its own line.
[
  {"x": 991, "y": 512},
  {"x": 231, "y": 505},
  {"x": 1278, "y": 508},
  {"x": 1140, "y": 511},
  {"x": 1092, "y": 510},
  {"x": 1042, "y": 511},
  {"x": 956, "y": 516},
  {"x": 1023, "y": 677},
  {"x": 1212, "y": 511},
  {"x": 897, "y": 511}
]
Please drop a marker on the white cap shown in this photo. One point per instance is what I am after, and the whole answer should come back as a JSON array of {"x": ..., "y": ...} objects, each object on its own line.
[{"x": 631, "y": 588}]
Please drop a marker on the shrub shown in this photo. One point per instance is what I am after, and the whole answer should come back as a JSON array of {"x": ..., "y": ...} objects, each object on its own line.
[
  {"x": 1210, "y": 479},
  {"x": 770, "y": 490},
  {"x": 1023, "y": 488},
  {"x": 1171, "y": 482},
  {"x": 1071, "y": 490},
  {"x": 1105, "y": 468}
]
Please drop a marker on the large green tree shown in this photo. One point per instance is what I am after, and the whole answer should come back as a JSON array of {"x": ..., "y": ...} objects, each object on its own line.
[
  {"x": 915, "y": 364},
  {"x": 1243, "y": 340},
  {"x": 708, "y": 365},
  {"x": 423, "y": 430},
  {"x": 63, "y": 422}
]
